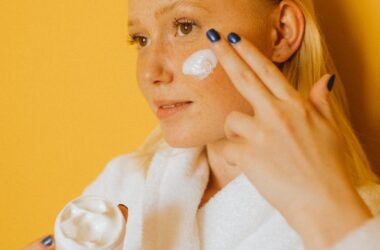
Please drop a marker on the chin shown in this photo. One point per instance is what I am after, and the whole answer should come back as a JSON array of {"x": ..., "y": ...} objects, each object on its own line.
[
  {"x": 179, "y": 144},
  {"x": 187, "y": 139},
  {"x": 177, "y": 141}
]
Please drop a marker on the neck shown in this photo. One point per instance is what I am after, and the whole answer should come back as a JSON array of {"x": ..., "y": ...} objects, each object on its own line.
[{"x": 221, "y": 172}]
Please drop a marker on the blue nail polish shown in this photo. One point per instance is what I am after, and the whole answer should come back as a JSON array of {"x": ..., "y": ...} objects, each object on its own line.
[
  {"x": 47, "y": 241},
  {"x": 213, "y": 35},
  {"x": 233, "y": 38},
  {"x": 330, "y": 83}
]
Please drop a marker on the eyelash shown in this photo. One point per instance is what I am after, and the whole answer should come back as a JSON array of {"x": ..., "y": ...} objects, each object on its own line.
[
  {"x": 133, "y": 39},
  {"x": 185, "y": 20}
]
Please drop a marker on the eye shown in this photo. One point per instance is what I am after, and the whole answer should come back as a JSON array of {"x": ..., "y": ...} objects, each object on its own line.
[
  {"x": 184, "y": 26},
  {"x": 142, "y": 41}
]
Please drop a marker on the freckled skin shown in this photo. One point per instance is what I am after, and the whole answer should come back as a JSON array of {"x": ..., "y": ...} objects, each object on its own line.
[
  {"x": 159, "y": 74},
  {"x": 159, "y": 66}
]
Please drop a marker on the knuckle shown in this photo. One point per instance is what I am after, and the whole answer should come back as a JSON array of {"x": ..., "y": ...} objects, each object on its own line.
[
  {"x": 267, "y": 70},
  {"x": 229, "y": 131},
  {"x": 246, "y": 76},
  {"x": 231, "y": 117},
  {"x": 284, "y": 120},
  {"x": 227, "y": 122},
  {"x": 287, "y": 124},
  {"x": 302, "y": 108},
  {"x": 278, "y": 113},
  {"x": 227, "y": 153},
  {"x": 297, "y": 101}
]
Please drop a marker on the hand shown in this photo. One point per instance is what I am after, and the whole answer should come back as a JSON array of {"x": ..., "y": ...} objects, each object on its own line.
[
  {"x": 291, "y": 149},
  {"x": 47, "y": 242}
]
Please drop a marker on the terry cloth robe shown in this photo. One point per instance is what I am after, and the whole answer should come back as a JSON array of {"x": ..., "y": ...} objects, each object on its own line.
[{"x": 163, "y": 192}]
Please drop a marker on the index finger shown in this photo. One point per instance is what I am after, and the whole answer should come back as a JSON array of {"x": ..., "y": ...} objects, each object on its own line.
[
  {"x": 266, "y": 70},
  {"x": 242, "y": 76}
]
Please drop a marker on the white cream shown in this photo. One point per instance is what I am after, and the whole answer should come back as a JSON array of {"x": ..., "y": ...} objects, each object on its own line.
[
  {"x": 200, "y": 64},
  {"x": 89, "y": 222}
]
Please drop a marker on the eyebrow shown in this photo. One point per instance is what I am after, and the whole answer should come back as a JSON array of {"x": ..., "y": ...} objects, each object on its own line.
[{"x": 171, "y": 7}]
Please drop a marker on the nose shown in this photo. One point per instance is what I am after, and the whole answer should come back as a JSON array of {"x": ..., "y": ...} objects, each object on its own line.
[{"x": 156, "y": 68}]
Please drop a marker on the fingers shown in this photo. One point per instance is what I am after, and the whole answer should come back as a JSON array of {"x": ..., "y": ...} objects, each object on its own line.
[
  {"x": 232, "y": 152},
  {"x": 319, "y": 96},
  {"x": 43, "y": 243},
  {"x": 239, "y": 124},
  {"x": 240, "y": 73},
  {"x": 124, "y": 210},
  {"x": 265, "y": 69},
  {"x": 47, "y": 242}
]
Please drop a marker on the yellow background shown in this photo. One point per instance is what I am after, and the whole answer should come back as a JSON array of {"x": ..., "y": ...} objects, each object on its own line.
[{"x": 69, "y": 101}]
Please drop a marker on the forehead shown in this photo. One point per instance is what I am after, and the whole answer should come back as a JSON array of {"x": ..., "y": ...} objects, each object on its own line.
[
  {"x": 157, "y": 8},
  {"x": 135, "y": 5}
]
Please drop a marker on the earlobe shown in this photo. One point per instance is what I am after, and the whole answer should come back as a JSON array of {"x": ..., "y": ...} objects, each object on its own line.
[{"x": 287, "y": 32}]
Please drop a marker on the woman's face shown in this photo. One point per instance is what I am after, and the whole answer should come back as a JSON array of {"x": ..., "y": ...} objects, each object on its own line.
[{"x": 167, "y": 32}]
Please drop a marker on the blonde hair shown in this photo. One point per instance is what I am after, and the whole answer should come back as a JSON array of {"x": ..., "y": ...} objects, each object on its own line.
[
  {"x": 303, "y": 69},
  {"x": 306, "y": 67}
]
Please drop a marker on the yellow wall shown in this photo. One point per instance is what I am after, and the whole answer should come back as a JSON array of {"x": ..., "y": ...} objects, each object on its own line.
[
  {"x": 353, "y": 34},
  {"x": 69, "y": 102}
]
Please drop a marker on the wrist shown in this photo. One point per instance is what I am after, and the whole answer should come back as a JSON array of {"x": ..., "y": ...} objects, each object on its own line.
[{"x": 321, "y": 227}]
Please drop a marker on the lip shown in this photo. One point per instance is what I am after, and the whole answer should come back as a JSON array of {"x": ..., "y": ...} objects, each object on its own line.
[
  {"x": 160, "y": 103},
  {"x": 166, "y": 113}
]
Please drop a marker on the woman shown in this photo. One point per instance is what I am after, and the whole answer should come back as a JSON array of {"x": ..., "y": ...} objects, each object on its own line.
[{"x": 259, "y": 154}]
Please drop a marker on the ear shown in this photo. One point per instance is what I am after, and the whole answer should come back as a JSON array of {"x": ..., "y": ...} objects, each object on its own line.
[{"x": 287, "y": 30}]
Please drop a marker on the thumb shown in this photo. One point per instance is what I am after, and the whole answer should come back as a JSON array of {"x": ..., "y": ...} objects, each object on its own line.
[
  {"x": 43, "y": 243},
  {"x": 319, "y": 96}
]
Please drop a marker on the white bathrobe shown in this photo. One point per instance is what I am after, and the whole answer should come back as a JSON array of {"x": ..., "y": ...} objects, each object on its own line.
[{"x": 163, "y": 192}]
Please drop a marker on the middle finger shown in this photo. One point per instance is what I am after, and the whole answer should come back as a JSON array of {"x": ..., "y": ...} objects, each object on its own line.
[
  {"x": 265, "y": 69},
  {"x": 242, "y": 76}
]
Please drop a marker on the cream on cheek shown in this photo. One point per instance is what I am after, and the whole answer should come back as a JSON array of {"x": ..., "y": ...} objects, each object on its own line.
[{"x": 200, "y": 64}]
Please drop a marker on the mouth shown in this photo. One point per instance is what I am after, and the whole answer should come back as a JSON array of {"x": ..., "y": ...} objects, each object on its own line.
[{"x": 169, "y": 108}]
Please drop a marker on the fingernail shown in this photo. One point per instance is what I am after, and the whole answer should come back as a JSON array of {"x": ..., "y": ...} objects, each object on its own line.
[
  {"x": 47, "y": 241},
  {"x": 213, "y": 35},
  {"x": 122, "y": 205},
  {"x": 330, "y": 83},
  {"x": 124, "y": 210},
  {"x": 233, "y": 38}
]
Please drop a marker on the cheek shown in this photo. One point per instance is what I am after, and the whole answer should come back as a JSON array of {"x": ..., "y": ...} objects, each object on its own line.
[
  {"x": 139, "y": 72},
  {"x": 224, "y": 94},
  {"x": 200, "y": 64},
  {"x": 142, "y": 85},
  {"x": 218, "y": 99},
  {"x": 212, "y": 91}
]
